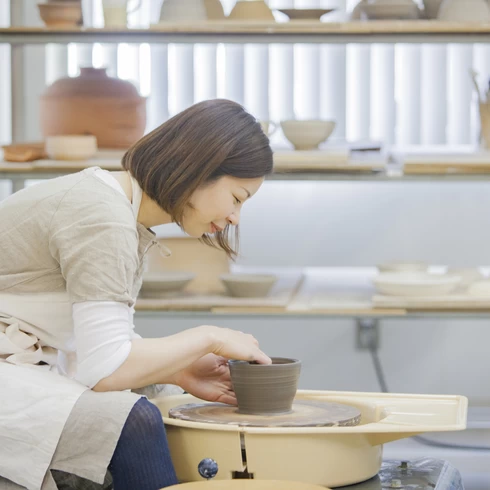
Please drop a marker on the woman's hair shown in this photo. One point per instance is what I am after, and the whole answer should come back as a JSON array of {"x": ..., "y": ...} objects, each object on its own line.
[{"x": 196, "y": 147}]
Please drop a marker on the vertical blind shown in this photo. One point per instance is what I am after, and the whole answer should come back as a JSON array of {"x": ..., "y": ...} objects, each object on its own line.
[{"x": 402, "y": 94}]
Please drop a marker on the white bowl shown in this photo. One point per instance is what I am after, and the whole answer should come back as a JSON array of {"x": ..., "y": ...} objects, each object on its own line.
[
  {"x": 165, "y": 282},
  {"x": 468, "y": 275},
  {"x": 403, "y": 267},
  {"x": 480, "y": 288},
  {"x": 307, "y": 134},
  {"x": 71, "y": 147},
  {"x": 415, "y": 284},
  {"x": 248, "y": 285}
]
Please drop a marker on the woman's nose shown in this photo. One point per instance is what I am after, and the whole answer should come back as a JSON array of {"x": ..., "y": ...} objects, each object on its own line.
[{"x": 233, "y": 218}]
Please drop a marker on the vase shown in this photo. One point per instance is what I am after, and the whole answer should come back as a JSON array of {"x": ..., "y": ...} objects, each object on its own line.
[{"x": 94, "y": 103}]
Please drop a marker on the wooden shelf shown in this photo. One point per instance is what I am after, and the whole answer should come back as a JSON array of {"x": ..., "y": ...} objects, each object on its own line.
[{"x": 421, "y": 31}]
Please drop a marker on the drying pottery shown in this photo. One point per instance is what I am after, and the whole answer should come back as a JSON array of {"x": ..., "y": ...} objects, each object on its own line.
[
  {"x": 464, "y": 11},
  {"x": 93, "y": 103},
  {"x": 61, "y": 14},
  {"x": 116, "y": 12},
  {"x": 307, "y": 134},
  {"x": 214, "y": 10},
  {"x": 265, "y": 389},
  {"x": 248, "y": 285},
  {"x": 183, "y": 11},
  {"x": 431, "y": 8},
  {"x": 403, "y": 267},
  {"x": 163, "y": 283},
  {"x": 415, "y": 284},
  {"x": 78, "y": 147},
  {"x": 305, "y": 14},
  {"x": 390, "y": 10},
  {"x": 251, "y": 10}
]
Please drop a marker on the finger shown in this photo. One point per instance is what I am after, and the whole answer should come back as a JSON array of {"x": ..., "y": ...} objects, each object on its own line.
[
  {"x": 229, "y": 399},
  {"x": 263, "y": 358}
]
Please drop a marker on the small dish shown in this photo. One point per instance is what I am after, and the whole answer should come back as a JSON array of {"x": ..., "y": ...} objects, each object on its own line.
[
  {"x": 71, "y": 147},
  {"x": 480, "y": 288},
  {"x": 403, "y": 267},
  {"x": 305, "y": 14},
  {"x": 248, "y": 285},
  {"x": 165, "y": 282},
  {"x": 416, "y": 284}
]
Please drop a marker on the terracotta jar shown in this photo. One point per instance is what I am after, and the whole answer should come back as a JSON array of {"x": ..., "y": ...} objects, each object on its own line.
[{"x": 94, "y": 103}]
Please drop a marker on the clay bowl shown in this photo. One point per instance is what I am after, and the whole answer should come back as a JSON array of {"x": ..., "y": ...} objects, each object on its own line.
[
  {"x": 71, "y": 147},
  {"x": 61, "y": 13},
  {"x": 251, "y": 10},
  {"x": 305, "y": 14},
  {"x": 165, "y": 283},
  {"x": 248, "y": 285},
  {"x": 308, "y": 134},
  {"x": 265, "y": 389}
]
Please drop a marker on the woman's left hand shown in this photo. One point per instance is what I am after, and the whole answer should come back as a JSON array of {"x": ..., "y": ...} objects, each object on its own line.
[{"x": 209, "y": 379}]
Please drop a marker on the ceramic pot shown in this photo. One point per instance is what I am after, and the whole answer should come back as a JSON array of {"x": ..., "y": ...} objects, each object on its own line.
[
  {"x": 214, "y": 10},
  {"x": 61, "y": 14},
  {"x": 265, "y": 389},
  {"x": 431, "y": 8},
  {"x": 308, "y": 134},
  {"x": 93, "y": 103},
  {"x": 464, "y": 11},
  {"x": 251, "y": 10},
  {"x": 183, "y": 11}
]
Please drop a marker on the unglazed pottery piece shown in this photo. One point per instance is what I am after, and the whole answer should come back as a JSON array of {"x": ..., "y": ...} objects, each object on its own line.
[
  {"x": 464, "y": 11},
  {"x": 183, "y": 11},
  {"x": 403, "y": 267},
  {"x": 93, "y": 103},
  {"x": 303, "y": 414},
  {"x": 415, "y": 283},
  {"x": 71, "y": 147},
  {"x": 214, "y": 10},
  {"x": 391, "y": 10},
  {"x": 305, "y": 14},
  {"x": 431, "y": 8},
  {"x": 248, "y": 285},
  {"x": 61, "y": 14},
  {"x": 307, "y": 134},
  {"x": 251, "y": 10},
  {"x": 165, "y": 282},
  {"x": 265, "y": 388}
]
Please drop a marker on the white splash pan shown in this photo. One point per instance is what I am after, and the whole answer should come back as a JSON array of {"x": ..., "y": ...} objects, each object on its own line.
[{"x": 328, "y": 456}]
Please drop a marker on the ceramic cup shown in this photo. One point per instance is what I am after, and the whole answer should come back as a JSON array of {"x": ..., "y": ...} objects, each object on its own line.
[
  {"x": 265, "y": 389},
  {"x": 268, "y": 127},
  {"x": 116, "y": 12}
]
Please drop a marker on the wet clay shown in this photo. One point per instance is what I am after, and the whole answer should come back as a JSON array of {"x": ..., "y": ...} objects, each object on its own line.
[{"x": 265, "y": 389}]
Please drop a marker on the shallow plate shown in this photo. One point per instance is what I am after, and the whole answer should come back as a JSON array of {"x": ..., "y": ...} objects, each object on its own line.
[
  {"x": 303, "y": 414},
  {"x": 305, "y": 14},
  {"x": 415, "y": 283}
]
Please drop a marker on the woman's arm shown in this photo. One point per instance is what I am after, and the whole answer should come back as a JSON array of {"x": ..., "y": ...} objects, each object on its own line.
[{"x": 159, "y": 360}]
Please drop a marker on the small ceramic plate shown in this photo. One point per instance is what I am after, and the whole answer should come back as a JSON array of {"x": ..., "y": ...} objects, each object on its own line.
[
  {"x": 416, "y": 284},
  {"x": 168, "y": 282},
  {"x": 305, "y": 14}
]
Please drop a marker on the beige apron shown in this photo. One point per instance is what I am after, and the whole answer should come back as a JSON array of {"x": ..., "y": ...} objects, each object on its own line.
[{"x": 37, "y": 359}]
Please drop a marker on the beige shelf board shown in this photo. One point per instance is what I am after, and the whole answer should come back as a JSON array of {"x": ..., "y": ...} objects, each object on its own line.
[{"x": 238, "y": 31}]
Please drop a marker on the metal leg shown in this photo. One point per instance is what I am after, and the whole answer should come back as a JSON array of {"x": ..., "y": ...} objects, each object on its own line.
[{"x": 17, "y": 184}]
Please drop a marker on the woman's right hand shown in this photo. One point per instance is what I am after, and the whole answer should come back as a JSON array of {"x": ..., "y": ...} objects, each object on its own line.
[{"x": 233, "y": 344}]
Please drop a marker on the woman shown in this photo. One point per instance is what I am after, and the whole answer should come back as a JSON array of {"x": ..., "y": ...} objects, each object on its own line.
[{"x": 72, "y": 253}]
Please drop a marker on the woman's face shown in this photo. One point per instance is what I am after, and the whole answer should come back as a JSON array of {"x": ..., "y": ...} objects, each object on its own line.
[{"x": 218, "y": 204}]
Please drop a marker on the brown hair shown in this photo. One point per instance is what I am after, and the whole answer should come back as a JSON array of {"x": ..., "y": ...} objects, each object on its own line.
[{"x": 199, "y": 145}]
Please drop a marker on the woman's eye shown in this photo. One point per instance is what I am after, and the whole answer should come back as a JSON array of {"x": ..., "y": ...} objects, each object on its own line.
[{"x": 237, "y": 201}]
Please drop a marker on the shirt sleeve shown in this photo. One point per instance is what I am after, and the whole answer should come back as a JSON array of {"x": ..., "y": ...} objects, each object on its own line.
[
  {"x": 103, "y": 334},
  {"x": 94, "y": 239}
]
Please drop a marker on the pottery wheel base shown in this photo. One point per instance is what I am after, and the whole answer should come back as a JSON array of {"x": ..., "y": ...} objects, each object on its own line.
[{"x": 304, "y": 414}]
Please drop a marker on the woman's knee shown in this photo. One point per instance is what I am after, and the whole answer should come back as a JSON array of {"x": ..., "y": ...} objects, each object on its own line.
[{"x": 144, "y": 421}]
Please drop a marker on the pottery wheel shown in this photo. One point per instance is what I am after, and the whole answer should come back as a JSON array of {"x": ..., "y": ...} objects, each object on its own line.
[{"x": 304, "y": 414}]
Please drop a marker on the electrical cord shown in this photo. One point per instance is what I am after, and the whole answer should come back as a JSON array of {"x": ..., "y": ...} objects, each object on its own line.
[{"x": 378, "y": 368}]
